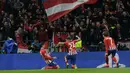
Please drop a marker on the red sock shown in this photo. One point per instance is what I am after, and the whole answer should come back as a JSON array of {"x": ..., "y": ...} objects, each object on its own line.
[
  {"x": 66, "y": 61},
  {"x": 106, "y": 58},
  {"x": 51, "y": 67},
  {"x": 48, "y": 67},
  {"x": 115, "y": 60},
  {"x": 55, "y": 67},
  {"x": 73, "y": 66}
]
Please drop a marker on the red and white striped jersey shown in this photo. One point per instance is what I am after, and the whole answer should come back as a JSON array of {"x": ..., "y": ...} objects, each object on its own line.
[
  {"x": 71, "y": 47},
  {"x": 46, "y": 55},
  {"x": 109, "y": 44}
]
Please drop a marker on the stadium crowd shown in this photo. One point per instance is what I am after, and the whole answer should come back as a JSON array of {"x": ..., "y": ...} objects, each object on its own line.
[{"x": 26, "y": 22}]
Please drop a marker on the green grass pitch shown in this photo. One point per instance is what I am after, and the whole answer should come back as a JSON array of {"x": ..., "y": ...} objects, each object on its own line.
[{"x": 87, "y": 70}]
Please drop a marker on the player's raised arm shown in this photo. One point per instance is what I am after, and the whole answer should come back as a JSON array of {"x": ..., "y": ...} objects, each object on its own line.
[
  {"x": 60, "y": 43},
  {"x": 78, "y": 38}
]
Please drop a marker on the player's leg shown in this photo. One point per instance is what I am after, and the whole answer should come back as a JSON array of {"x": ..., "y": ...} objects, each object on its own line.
[
  {"x": 48, "y": 67},
  {"x": 107, "y": 59},
  {"x": 55, "y": 65},
  {"x": 46, "y": 61},
  {"x": 73, "y": 62},
  {"x": 66, "y": 58},
  {"x": 52, "y": 65},
  {"x": 114, "y": 58}
]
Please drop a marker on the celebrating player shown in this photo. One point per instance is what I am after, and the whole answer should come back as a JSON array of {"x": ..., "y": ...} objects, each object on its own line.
[
  {"x": 72, "y": 52},
  {"x": 47, "y": 57},
  {"x": 110, "y": 48}
]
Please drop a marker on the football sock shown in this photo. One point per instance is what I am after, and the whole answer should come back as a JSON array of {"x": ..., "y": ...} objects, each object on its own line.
[
  {"x": 115, "y": 60},
  {"x": 106, "y": 58}
]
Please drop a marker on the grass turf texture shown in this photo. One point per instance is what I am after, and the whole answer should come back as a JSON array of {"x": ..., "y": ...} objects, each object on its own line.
[{"x": 87, "y": 70}]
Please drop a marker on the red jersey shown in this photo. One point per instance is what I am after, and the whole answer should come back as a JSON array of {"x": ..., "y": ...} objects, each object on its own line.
[
  {"x": 45, "y": 55},
  {"x": 109, "y": 44},
  {"x": 45, "y": 45},
  {"x": 71, "y": 47}
]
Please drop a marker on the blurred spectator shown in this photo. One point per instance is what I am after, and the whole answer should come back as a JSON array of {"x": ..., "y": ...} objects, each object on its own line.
[
  {"x": 124, "y": 21},
  {"x": 42, "y": 35},
  {"x": 10, "y": 46},
  {"x": 122, "y": 47},
  {"x": 98, "y": 33},
  {"x": 2, "y": 3},
  {"x": 35, "y": 46},
  {"x": 22, "y": 47}
]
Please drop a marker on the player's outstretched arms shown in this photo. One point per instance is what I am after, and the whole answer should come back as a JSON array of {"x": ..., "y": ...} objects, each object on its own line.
[{"x": 60, "y": 43}]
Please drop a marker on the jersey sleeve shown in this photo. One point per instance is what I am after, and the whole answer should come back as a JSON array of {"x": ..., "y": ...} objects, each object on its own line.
[
  {"x": 75, "y": 41},
  {"x": 65, "y": 43},
  {"x": 106, "y": 45}
]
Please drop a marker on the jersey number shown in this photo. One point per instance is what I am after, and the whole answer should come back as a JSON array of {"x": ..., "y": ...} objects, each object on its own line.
[{"x": 72, "y": 45}]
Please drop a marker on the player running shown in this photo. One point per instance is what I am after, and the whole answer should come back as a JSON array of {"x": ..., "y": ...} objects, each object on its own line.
[
  {"x": 111, "y": 48},
  {"x": 47, "y": 57},
  {"x": 71, "y": 52}
]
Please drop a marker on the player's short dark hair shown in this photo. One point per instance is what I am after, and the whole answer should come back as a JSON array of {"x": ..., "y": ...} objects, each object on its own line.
[
  {"x": 105, "y": 33},
  {"x": 68, "y": 38}
]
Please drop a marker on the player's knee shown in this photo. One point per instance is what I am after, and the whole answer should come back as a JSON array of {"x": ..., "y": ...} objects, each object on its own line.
[
  {"x": 58, "y": 66},
  {"x": 65, "y": 57},
  {"x": 47, "y": 67}
]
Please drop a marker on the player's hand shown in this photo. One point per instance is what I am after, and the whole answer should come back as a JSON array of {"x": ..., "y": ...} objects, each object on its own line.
[
  {"x": 49, "y": 53},
  {"x": 106, "y": 54},
  {"x": 56, "y": 45},
  {"x": 54, "y": 57}
]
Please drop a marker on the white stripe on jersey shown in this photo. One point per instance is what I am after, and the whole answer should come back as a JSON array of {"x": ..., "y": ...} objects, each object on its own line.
[
  {"x": 112, "y": 47},
  {"x": 72, "y": 52}
]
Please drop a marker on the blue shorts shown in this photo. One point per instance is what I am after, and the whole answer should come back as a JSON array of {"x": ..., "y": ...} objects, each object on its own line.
[
  {"x": 113, "y": 52},
  {"x": 72, "y": 59},
  {"x": 52, "y": 63}
]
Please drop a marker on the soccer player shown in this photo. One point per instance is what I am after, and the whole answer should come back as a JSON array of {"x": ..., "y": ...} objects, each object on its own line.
[
  {"x": 110, "y": 47},
  {"x": 47, "y": 57},
  {"x": 71, "y": 51}
]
